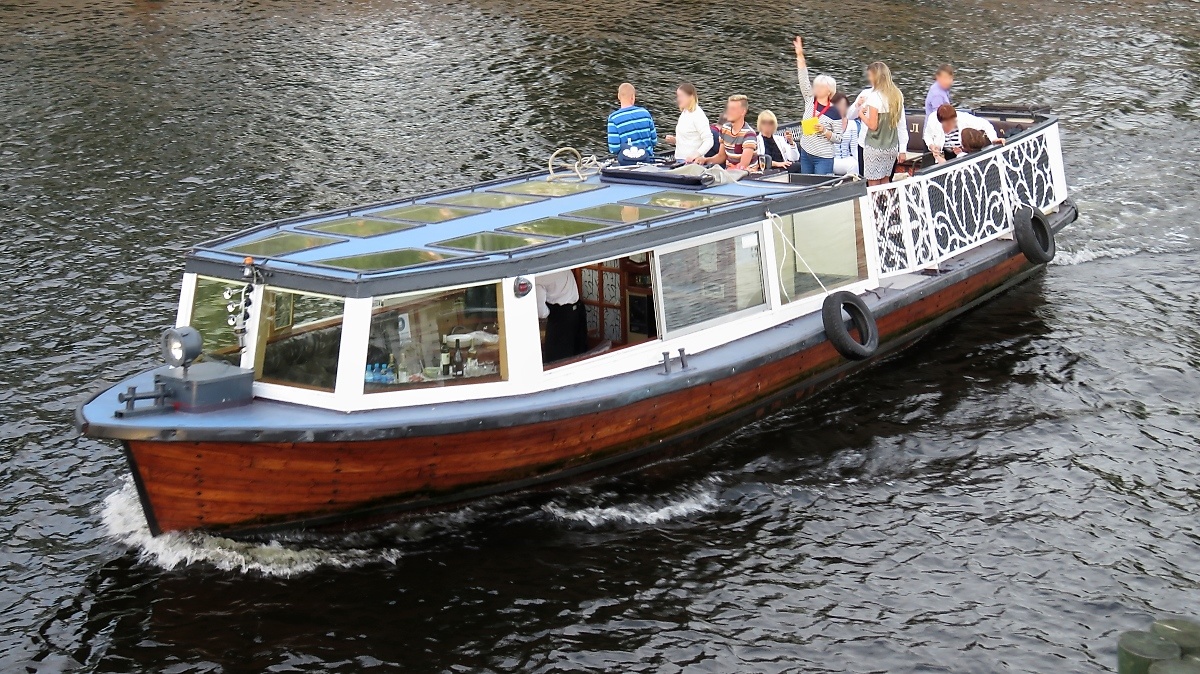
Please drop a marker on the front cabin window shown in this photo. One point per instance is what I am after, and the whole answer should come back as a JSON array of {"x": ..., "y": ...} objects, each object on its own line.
[
  {"x": 819, "y": 247},
  {"x": 211, "y": 316},
  {"x": 440, "y": 338},
  {"x": 300, "y": 339},
  {"x": 711, "y": 281}
]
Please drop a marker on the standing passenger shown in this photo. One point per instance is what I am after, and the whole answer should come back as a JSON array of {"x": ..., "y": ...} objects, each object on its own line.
[
  {"x": 693, "y": 137},
  {"x": 631, "y": 126},
  {"x": 817, "y": 147},
  {"x": 882, "y": 111},
  {"x": 739, "y": 144},
  {"x": 939, "y": 91},
  {"x": 845, "y": 155},
  {"x": 566, "y": 323}
]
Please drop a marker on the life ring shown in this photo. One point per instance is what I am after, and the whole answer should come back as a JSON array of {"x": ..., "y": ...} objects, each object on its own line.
[
  {"x": 860, "y": 317},
  {"x": 1034, "y": 236}
]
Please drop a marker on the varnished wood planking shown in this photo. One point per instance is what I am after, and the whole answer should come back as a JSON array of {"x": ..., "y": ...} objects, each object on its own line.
[{"x": 208, "y": 484}]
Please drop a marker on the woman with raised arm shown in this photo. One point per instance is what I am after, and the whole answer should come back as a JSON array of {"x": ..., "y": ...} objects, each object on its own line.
[
  {"x": 825, "y": 133},
  {"x": 693, "y": 136},
  {"x": 882, "y": 110}
]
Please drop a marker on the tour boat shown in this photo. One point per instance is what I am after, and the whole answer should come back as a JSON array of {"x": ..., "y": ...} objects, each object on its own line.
[{"x": 334, "y": 368}]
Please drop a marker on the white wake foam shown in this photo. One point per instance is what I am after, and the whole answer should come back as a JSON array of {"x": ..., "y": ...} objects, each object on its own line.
[
  {"x": 124, "y": 520},
  {"x": 635, "y": 513},
  {"x": 1074, "y": 257}
]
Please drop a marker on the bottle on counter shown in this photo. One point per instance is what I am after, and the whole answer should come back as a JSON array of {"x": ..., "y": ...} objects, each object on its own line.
[
  {"x": 458, "y": 360},
  {"x": 445, "y": 358},
  {"x": 472, "y": 359},
  {"x": 392, "y": 375}
]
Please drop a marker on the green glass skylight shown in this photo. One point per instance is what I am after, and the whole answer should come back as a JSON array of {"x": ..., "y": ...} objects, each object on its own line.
[
  {"x": 282, "y": 243},
  {"x": 385, "y": 260},
  {"x": 545, "y": 188},
  {"x": 490, "y": 242},
  {"x": 689, "y": 200},
  {"x": 559, "y": 227},
  {"x": 488, "y": 200},
  {"x": 359, "y": 227},
  {"x": 425, "y": 213},
  {"x": 621, "y": 213}
]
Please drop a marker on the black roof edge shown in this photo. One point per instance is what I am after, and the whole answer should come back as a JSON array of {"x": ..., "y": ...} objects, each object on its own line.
[{"x": 631, "y": 240}]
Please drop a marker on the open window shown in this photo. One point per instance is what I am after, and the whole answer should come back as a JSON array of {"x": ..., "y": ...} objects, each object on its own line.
[
  {"x": 617, "y": 297},
  {"x": 439, "y": 338}
]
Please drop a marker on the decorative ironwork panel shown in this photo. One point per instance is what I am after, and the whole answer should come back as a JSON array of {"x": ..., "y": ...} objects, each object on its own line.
[
  {"x": 920, "y": 224},
  {"x": 593, "y": 320},
  {"x": 889, "y": 224},
  {"x": 591, "y": 284},
  {"x": 1030, "y": 177}
]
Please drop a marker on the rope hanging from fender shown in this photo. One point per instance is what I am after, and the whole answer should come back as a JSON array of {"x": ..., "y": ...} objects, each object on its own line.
[{"x": 778, "y": 223}]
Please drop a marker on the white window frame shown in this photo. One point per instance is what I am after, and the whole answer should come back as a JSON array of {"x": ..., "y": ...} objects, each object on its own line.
[{"x": 733, "y": 233}]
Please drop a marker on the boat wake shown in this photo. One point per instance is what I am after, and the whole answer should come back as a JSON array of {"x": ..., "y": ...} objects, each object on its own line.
[
  {"x": 1068, "y": 258},
  {"x": 636, "y": 513},
  {"x": 124, "y": 520}
]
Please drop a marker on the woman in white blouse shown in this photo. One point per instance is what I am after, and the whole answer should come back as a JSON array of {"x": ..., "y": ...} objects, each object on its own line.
[{"x": 693, "y": 136}]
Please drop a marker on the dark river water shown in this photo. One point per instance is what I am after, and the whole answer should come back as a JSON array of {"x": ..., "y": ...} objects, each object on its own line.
[{"x": 1005, "y": 497}]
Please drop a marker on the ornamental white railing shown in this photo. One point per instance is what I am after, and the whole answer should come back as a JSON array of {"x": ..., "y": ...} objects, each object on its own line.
[{"x": 933, "y": 216}]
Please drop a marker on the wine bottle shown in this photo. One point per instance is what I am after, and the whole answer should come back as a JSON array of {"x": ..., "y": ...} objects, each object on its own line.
[
  {"x": 445, "y": 358},
  {"x": 473, "y": 358},
  {"x": 457, "y": 360}
]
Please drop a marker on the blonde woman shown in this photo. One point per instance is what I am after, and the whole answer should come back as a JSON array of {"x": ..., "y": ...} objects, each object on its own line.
[
  {"x": 693, "y": 137},
  {"x": 780, "y": 147},
  {"x": 882, "y": 110}
]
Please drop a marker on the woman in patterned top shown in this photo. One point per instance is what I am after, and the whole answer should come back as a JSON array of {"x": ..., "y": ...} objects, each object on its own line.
[
  {"x": 817, "y": 149},
  {"x": 883, "y": 113}
]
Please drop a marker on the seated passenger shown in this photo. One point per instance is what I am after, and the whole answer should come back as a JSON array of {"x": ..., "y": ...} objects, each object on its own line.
[
  {"x": 939, "y": 92},
  {"x": 944, "y": 139},
  {"x": 817, "y": 143},
  {"x": 566, "y": 321},
  {"x": 780, "y": 147},
  {"x": 845, "y": 154},
  {"x": 739, "y": 143},
  {"x": 693, "y": 138},
  {"x": 974, "y": 140},
  {"x": 631, "y": 132}
]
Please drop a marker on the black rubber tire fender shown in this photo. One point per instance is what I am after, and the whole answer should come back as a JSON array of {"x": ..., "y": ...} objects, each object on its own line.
[
  {"x": 1034, "y": 236},
  {"x": 837, "y": 332}
]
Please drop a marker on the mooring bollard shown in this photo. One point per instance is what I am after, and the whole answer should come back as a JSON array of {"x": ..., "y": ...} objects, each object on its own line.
[
  {"x": 1175, "y": 667},
  {"x": 1184, "y": 632},
  {"x": 1136, "y": 651}
]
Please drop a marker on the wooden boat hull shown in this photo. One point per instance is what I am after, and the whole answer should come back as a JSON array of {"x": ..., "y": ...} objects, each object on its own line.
[{"x": 245, "y": 486}]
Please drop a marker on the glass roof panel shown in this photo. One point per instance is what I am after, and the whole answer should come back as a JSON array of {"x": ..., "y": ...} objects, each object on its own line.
[
  {"x": 425, "y": 213},
  {"x": 545, "y": 188},
  {"x": 490, "y": 242},
  {"x": 488, "y": 200},
  {"x": 671, "y": 199},
  {"x": 282, "y": 243},
  {"x": 559, "y": 227},
  {"x": 358, "y": 227},
  {"x": 388, "y": 259},
  {"x": 624, "y": 213}
]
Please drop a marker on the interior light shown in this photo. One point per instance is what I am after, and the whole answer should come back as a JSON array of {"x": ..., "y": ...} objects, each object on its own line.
[
  {"x": 522, "y": 286},
  {"x": 181, "y": 346}
]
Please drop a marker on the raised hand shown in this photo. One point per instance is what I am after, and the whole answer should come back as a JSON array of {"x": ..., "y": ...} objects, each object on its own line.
[{"x": 798, "y": 43}]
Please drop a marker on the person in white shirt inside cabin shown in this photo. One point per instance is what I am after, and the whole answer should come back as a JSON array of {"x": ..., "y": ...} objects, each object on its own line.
[
  {"x": 566, "y": 323},
  {"x": 944, "y": 138}
]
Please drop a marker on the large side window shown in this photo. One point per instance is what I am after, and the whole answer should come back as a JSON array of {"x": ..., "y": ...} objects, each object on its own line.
[
  {"x": 300, "y": 339},
  {"x": 210, "y": 315},
  {"x": 711, "y": 281},
  {"x": 439, "y": 338},
  {"x": 829, "y": 241}
]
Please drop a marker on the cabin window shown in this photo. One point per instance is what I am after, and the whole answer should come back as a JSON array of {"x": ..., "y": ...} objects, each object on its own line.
[
  {"x": 711, "y": 281},
  {"x": 300, "y": 339},
  {"x": 210, "y": 315},
  {"x": 616, "y": 298},
  {"x": 829, "y": 241},
  {"x": 440, "y": 338}
]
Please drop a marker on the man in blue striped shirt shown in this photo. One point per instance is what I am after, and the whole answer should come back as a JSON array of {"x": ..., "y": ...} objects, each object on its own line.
[{"x": 633, "y": 123}]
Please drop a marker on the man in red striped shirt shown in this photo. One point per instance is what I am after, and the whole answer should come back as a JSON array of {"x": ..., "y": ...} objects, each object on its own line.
[{"x": 738, "y": 141}]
